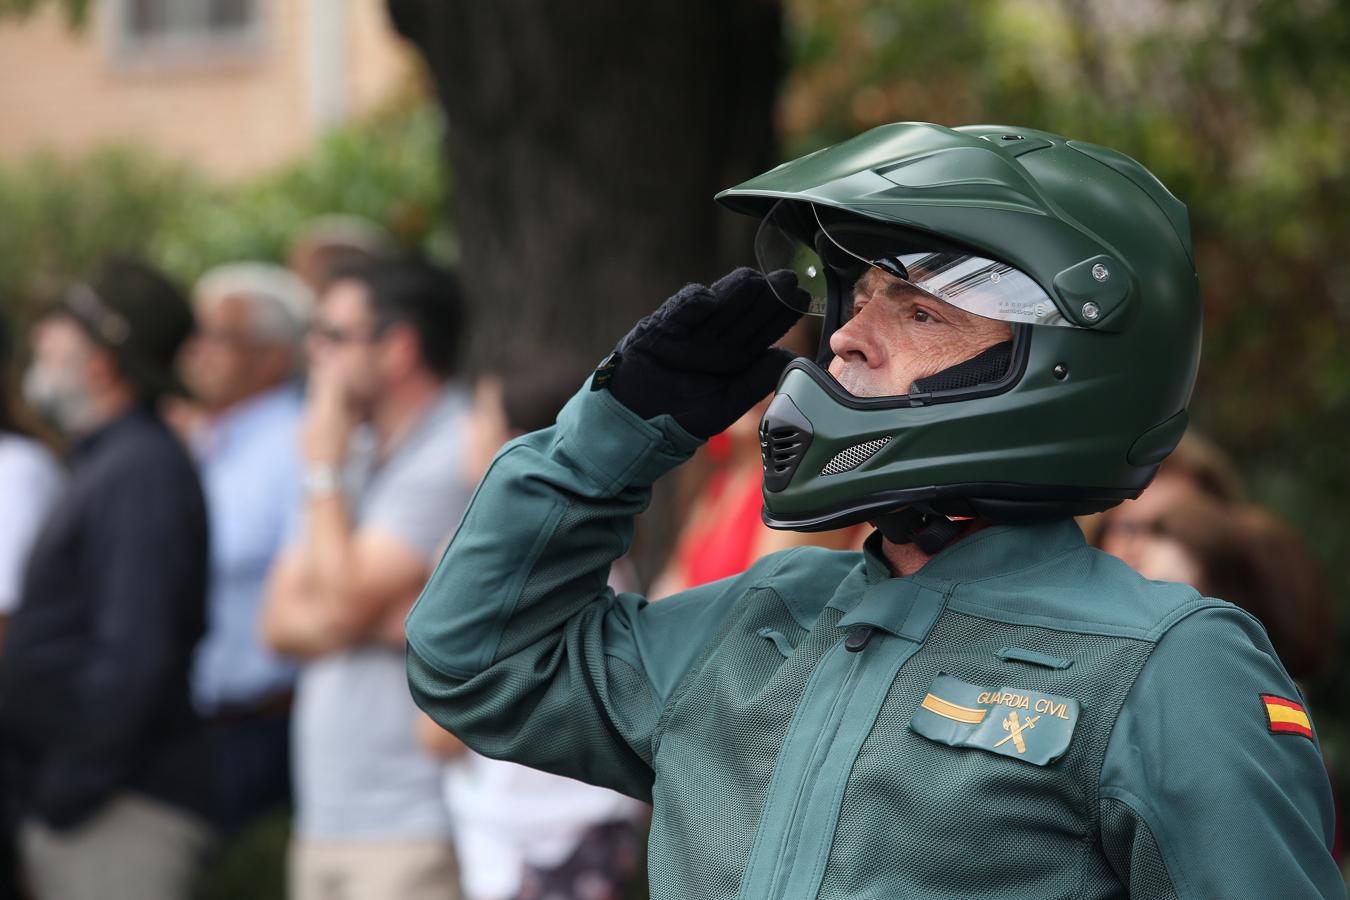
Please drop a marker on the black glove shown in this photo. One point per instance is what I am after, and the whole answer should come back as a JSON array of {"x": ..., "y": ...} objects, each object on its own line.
[{"x": 705, "y": 357}]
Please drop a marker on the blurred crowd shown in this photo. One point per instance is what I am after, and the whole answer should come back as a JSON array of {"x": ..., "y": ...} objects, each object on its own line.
[
  {"x": 203, "y": 600},
  {"x": 220, "y": 506}
]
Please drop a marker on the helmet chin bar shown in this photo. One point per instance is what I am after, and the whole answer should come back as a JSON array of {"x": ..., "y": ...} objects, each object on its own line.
[
  {"x": 1000, "y": 503},
  {"x": 787, "y": 436}
]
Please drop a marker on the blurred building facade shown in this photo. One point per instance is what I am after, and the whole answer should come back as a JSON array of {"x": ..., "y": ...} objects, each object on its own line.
[{"x": 232, "y": 86}]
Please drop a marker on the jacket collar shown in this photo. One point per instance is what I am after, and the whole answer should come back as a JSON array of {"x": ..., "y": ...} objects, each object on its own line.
[
  {"x": 989, "y": 553},
  {"x": 908, "y": 607},
  {"x": 82, "y": 447}
]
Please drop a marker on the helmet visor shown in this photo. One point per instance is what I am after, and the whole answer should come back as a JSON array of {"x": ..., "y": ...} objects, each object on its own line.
[
  {"x": 984, "y": 287},
  {"x": 777, "y": 247}
]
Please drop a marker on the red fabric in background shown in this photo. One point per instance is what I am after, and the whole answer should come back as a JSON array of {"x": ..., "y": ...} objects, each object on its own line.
[{"x": 724, "y": 546}]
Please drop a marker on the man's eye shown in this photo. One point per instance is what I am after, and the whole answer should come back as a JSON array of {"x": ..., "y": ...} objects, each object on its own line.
[{"x": 921, "y": 315}]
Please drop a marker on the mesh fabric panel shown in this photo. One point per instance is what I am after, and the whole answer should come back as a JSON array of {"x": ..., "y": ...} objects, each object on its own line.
[
  {"x": 852, "y": 457},
  {"x": 1135, "y": 858},
  {"x": 718, "y": 745},
  {"x": 966, "y": 823}
]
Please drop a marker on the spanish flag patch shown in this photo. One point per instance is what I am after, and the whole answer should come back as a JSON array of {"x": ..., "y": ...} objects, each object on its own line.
[{"x": 1286, "y": 716}]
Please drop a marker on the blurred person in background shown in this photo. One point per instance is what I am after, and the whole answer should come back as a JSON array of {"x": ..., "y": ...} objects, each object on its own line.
[
  {"x": 1198, "y": 469},
  {"x": 30, "y": 479},
  {"x": 523, "y": 834},
  {"x": 1297, "y": 606},
  {"x": 239, "y": 364},
  {"x": 95, "y": 703},
  {"x": 1248, "y": 556},
  {"x": 330, "y": 244},
  {"x": 382, "y": 426}
]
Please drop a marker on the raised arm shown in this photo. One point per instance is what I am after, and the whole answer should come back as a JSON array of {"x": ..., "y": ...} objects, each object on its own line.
[{"x": 517, "y": 645}]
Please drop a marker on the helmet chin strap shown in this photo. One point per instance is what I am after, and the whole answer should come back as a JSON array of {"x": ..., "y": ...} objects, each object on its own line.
[{"x": 929, "y": 531}]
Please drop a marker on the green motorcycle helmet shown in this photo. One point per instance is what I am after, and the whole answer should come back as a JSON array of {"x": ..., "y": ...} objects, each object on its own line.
[{"x": 1080, "y": 248}]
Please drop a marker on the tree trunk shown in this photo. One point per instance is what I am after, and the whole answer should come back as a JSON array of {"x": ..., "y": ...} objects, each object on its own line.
[{"x": 586, "y": 140}]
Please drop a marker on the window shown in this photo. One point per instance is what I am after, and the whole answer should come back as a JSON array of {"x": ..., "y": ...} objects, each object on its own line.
[{"x": 186, "y": 29}]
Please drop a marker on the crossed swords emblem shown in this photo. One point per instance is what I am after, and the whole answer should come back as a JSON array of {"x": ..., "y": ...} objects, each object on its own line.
[{"x": 1011, "y": 724}]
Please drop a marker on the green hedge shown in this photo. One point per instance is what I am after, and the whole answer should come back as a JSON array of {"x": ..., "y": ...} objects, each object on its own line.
[{"x": 61, "y": 215}]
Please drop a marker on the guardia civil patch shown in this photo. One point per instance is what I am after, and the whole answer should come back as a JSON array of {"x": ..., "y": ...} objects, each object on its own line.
[
  {"x": 1026, "y": 725},
  {"x": 1286, "y": 716}
]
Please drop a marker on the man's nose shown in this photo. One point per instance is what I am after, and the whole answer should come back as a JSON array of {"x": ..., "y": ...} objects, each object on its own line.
[{"x": 856, "y": 341}]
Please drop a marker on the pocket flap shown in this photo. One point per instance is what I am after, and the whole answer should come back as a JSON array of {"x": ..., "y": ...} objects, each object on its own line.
[{"x": 1028, "y": 725}]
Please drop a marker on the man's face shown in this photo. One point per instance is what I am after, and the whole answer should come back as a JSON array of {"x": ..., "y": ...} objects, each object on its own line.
[
  {"x": 343, "y": 345},
  {"x": 65, "y": 364},
  {"x": 1127, "y": 530},
  {"x": 898, "y": 334},
  {"x": 224, "y": 362}
]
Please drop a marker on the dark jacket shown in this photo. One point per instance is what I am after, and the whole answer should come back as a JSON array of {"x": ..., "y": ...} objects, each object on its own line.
[{"x": 94, "y": 695}]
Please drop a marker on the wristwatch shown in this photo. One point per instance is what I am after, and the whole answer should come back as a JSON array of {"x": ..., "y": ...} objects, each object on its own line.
[{"x": 321, "y": 480}]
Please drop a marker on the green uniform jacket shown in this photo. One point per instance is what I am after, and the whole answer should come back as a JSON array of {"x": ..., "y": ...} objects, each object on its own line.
[{"x": 1027, "y": 717}]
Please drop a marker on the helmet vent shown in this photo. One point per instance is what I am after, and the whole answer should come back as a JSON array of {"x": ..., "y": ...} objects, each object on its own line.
[
  {"x": 784, "y": 435},
  {"x": 781, "y": 448},
  {"x": 847, "y": 460}
]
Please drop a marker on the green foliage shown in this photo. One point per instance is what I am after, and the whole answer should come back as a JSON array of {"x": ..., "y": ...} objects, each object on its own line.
[
  {"x": 76, "y": 11},
  {"x": 61, "y": 216},
  {"x": 388, "y": 169}
]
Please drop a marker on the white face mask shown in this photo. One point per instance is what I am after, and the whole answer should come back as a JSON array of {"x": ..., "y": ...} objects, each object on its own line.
[{"x": 61, "y": 397}]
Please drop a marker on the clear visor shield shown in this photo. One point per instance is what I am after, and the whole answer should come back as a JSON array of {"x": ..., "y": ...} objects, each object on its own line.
[
  {"x": 776, "y": 248},
  {"x": 984, "y": 287}
]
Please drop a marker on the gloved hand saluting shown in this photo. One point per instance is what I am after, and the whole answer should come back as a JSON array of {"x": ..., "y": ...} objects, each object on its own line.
[{"x": 706, "y": 356}]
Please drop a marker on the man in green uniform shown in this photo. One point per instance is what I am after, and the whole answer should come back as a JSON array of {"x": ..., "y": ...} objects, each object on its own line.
[{"x": 976, "y": 706}]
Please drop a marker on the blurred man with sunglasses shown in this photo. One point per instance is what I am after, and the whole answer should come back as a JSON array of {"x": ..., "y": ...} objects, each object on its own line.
[{"x": 381, "y": 419}]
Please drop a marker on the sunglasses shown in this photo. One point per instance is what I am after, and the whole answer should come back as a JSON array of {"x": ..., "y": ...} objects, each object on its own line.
[{"x": 332, "y": 334}]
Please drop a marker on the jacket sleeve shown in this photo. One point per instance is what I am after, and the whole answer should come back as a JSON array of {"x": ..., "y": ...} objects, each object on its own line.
[
  {"x": 1200, "y": 798},
  {"x": 517, "y": 645}
]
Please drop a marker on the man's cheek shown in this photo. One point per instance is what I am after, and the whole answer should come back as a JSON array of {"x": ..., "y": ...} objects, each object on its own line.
[{"x": 932, "y": 357}]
